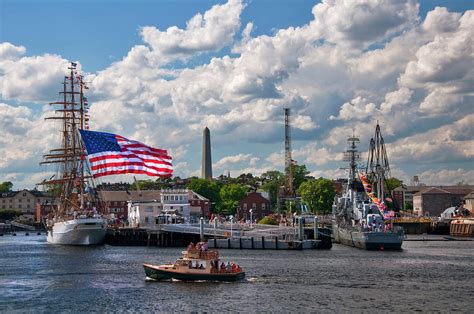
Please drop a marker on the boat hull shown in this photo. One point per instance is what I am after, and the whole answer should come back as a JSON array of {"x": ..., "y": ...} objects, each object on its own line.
[
  {"x": 391, "y": 241},
  {"x": 84, "y": 231},
  {"x": 154, "y": 272}
]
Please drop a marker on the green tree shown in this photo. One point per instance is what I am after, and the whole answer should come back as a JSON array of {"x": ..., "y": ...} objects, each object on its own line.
[
  {"x": 230, "y": 195},
  {"x": 6, "y": 187},
  {"x": 300, "y": 174},
  {"x": 269, "y": 220},
  {"x": 207, "y": 188},
  {"x": 272, "y": 181},
  {"x": 144, "y": 185},
  {"x": 393, "y": 183},
  {"x": 318, "y": 194},
  {"x": 9, "y": 214}
]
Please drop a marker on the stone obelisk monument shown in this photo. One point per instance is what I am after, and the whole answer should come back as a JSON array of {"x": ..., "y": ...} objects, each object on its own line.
[{"x": 206, "y": 167}]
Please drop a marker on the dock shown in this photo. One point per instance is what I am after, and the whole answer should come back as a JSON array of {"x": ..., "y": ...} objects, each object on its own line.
[{"x": 259, "y": 237}]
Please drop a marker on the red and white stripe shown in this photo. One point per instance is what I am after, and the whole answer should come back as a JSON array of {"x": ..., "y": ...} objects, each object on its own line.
[{"x": 135, "y": 157}]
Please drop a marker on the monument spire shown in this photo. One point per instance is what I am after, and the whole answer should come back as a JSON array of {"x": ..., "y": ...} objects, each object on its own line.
[{"x": 206, "y": 167}]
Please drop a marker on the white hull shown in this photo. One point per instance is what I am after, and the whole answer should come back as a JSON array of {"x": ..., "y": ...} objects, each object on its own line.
[{"x": 81, "y": 231}]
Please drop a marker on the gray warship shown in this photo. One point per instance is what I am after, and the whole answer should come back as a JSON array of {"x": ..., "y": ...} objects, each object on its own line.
[{"x": 360, "y": 215}]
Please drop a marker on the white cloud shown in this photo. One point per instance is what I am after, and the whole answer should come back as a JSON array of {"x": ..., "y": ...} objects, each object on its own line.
[
  {"x": 362, "y": 22},
  {"x": 211, "y": 31},
  {"x": 29, "y": 78},
  {"x": 418, "y": 83},
  {"x": 447, "y": 176},
  {"x": 452, "y": 142},
  {"x": 10, "y": 52},
  {"x": 357, "y": 109},
  {"x": 227, "y": 162}
]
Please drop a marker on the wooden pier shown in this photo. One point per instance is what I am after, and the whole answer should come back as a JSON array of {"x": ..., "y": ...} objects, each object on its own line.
[{"x": 161, "y": 238}]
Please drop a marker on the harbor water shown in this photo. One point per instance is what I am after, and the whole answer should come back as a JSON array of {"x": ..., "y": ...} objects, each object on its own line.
[{"x": 425, "y": 276}]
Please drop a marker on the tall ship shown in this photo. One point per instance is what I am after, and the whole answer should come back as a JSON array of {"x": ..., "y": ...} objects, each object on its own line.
[
  {"x": 361, "y": 217},
  {"x": 77, "y": 215}
]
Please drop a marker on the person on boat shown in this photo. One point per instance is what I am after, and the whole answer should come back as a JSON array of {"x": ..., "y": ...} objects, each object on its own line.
[
  {"x": 190, "y": 246},
  {"x": 204, "y": 247},
  {"x": 223, "y": 267},
  {"x": 234, "y": 268},
  {"x": 228, "y": 267},
  {"x": 201, "y": 266}
]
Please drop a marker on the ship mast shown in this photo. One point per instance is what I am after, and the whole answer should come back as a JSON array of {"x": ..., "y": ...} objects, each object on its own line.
[
  {"x": 378, "y": 168},
  {"x": 352, "y": 155},
  {"x": 71, "y": 180}
]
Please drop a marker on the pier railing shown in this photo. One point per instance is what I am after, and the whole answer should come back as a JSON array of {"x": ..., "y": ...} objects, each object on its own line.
[{"x": 227, "y": 230}]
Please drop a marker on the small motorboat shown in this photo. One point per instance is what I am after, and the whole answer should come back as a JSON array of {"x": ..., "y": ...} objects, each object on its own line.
[{"x": 196, "y": 264}]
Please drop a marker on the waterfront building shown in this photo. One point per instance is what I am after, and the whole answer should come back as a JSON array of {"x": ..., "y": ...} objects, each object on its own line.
[
  {"x": 432, "y": 201},
  {"x": 206, "y": 166},
  {"x": 199, "y": 206},
  {"x": 171, "y": 206},
  {"x": 469, "y": 202},
  {"x": 403, "y": 195},
  {"x": 254, "y": 201},
  {"x": 25, "y": 201},
  {"x": 116, "y": 201},
  {"x": 176, "y": 201}
]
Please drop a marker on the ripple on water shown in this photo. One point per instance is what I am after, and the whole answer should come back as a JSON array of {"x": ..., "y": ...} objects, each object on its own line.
[{"x": 423, "y": 277}]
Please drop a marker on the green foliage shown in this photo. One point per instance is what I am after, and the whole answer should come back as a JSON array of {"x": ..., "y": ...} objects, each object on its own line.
[
  {"x": 318, "y": 194},
  {"x": 207, "y": 188},
  {"x": 230, "y": 195},
  {"x": 408, "y": 206},
  {"x": 393, "y": 183},
  {"x": 6, "y": 187},
  {"x": 299, "y": 175},
  {"x": 272, "y": 181},
  {"x": 9, "y": 214},
  {"x": 143, "y": 185},
  {"x": 54, "y": 189},
  {"x": 269, "y": 220}
]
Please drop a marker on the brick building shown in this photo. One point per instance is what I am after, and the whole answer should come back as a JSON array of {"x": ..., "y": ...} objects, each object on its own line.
[
  {"x": 260, "y": 207},
  {"x": 403, "y": 195},
  {"x": 117, "y": 201},
  {"x": 432, "y": 201}
]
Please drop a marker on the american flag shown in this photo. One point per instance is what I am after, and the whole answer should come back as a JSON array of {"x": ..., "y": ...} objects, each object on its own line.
[{"x": 111, "y": 154}]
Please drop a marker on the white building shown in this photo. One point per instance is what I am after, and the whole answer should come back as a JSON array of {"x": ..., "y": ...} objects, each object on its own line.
[
  {"x": 176, "y": 201},
  {"x": 172, "y": 207}
]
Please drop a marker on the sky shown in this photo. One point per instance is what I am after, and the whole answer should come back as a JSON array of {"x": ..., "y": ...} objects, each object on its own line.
[{"x": 161, "y": 71}]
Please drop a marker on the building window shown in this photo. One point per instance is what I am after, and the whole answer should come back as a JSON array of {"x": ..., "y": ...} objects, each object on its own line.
[
  {"x": 263, "y": 206},
  {"x": 28, "y": 200},
  {"x": 28, "y": 206},
  {"x": 245, "y": 206},
  {"x": 149, "y": 209},
  {"x": 24, "y": 194},
  {"x": 19, "y": 206}
]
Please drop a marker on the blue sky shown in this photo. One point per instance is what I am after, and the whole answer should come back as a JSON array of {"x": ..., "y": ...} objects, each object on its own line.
[
  {"x": 338, "y": 66},
  {"x": 100, "y": 32}
]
